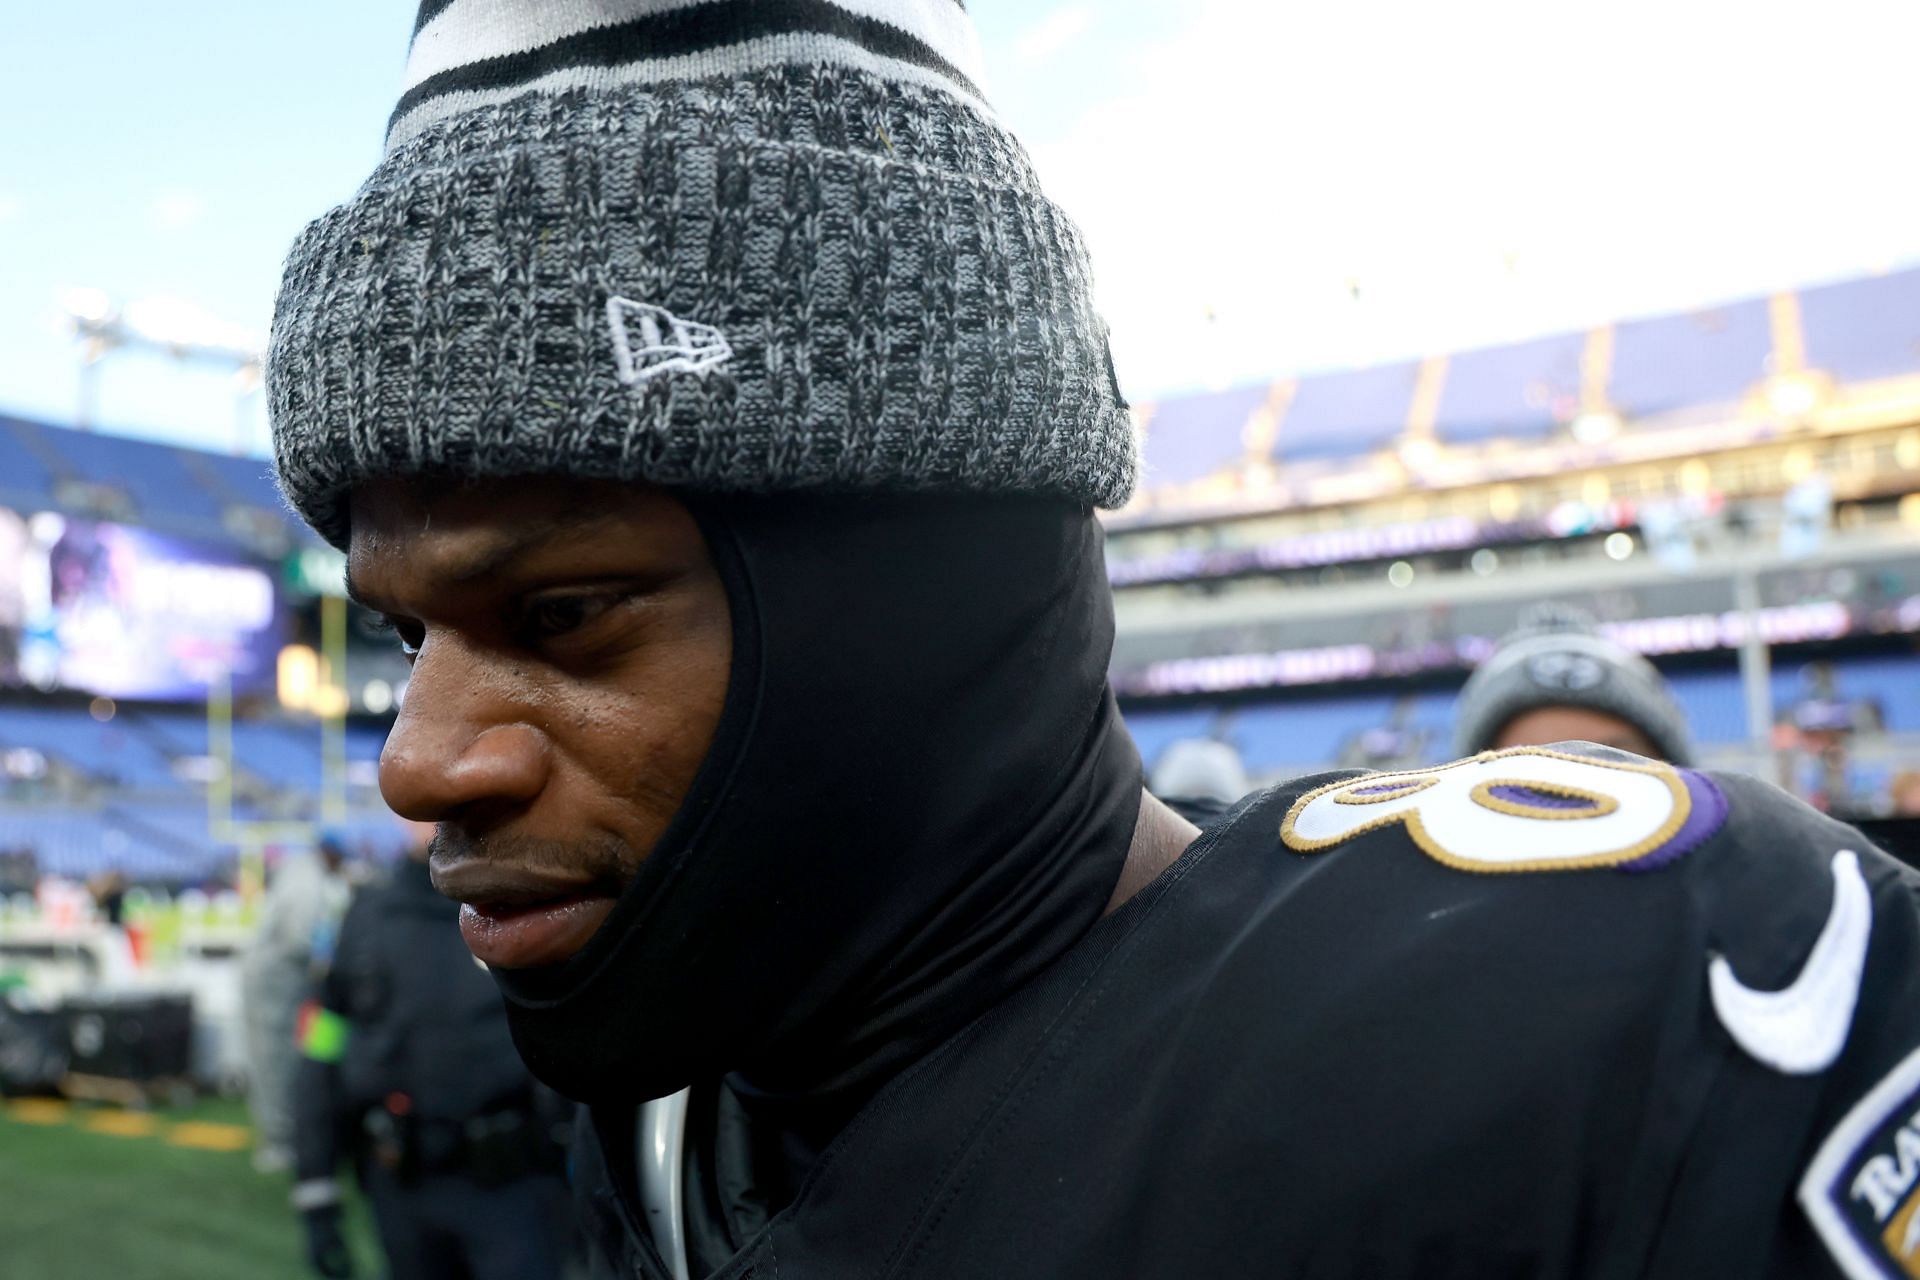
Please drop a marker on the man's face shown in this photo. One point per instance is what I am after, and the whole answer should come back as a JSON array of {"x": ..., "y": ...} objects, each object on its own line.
[
  {"x": 1545, "y": 725},
  {"x": 570, "y": 643}
]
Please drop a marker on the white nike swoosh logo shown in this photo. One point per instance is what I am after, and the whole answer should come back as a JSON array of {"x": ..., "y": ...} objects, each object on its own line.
[{"x": 1802, "y": 1028}]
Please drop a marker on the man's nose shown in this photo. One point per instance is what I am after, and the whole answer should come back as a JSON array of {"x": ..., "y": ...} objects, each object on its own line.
[{"x": 460, "y": 743}]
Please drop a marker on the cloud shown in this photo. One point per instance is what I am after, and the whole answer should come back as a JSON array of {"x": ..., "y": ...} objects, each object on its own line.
[
  {"x": 1480, "y": 172},
  {"x": 175, "y": 209},
  {"x": 1053, "y": 33}
]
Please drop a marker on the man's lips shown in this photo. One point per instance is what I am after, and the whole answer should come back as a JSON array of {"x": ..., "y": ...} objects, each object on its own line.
[
  {"x": 530, "y": 936},
  {"x": 513, "y": 919}
]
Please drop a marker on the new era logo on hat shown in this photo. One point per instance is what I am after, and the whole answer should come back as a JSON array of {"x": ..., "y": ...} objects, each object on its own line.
[
  {"x": 649, "y": 341},
  {"x": 1561, "y": 669}
]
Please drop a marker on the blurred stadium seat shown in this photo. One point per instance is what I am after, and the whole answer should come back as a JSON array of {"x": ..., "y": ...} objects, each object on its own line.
[
  {"x": 174, "y": 490},
  {"x": 1346, "y": 414},
  {"x": 1704, "y": 360},
  {"x": 1196, "y": 436},
  {"x": 166, "y": 492},
  {"x": 1862, "y": 330},
  {"x": 1521, "y": 392},
  {"x": 25, "y": 480}
]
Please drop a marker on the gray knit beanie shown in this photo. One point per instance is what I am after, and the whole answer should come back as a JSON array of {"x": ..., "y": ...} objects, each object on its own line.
[
  {"x": 738, "y": 245},
  {"x": 1556, "y": 658},
  {"x": 1200, "y": 769}
]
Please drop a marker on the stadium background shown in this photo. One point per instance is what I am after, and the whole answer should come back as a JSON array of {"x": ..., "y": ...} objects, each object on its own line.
[{"x": 1314, "y": 562}]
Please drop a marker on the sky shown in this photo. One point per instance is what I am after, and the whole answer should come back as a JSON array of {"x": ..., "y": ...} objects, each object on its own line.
[{"x": 1267, "y": 187}]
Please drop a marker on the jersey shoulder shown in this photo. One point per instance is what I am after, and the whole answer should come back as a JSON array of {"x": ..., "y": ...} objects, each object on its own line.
[
  {"x": 1566, "y": 808},
  {"x": 1570, "y": 932},
  {"x": 1583, "y": 833}
]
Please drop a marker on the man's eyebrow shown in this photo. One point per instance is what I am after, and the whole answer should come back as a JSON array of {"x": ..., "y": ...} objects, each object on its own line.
[{"x": 531, "y": 534}]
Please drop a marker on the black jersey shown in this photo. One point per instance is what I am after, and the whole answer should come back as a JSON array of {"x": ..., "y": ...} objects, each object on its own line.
[
  {"x": 404, "y": 1011},
  {"x": 1541, "y": 1013}
]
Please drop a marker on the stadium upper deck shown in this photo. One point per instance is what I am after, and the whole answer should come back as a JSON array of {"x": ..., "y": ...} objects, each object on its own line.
[
  {"x": 1839, "y": 358},
  {"x": 189, "y": 492}
]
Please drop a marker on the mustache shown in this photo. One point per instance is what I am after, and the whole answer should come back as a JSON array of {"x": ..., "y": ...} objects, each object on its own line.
[{"x": 605, "y": 859}]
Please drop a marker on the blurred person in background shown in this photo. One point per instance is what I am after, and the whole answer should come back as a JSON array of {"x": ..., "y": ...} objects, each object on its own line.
[
  {"x": 305, "y": 896},
  {"x": 109, "y": 890},
  {"x": 13, "y": 603},
  {"x": 1555, "y": 678},
  {"x": 1199, "y": 778},
  {"x": 1904, "y": 793},
  {"x": 408, "y": 1073},
  {"x": 714, "y": 406}
]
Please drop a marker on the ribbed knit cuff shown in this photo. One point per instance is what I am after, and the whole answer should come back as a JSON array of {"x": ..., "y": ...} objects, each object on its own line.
[{"x": 801, "y": 278}]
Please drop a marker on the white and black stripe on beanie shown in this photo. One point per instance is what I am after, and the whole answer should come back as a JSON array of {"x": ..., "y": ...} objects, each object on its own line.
[
  {"x": 1556, "y": 658},
  {"x": 471, "y": 53},
  {"x": 736, "y": 245}
]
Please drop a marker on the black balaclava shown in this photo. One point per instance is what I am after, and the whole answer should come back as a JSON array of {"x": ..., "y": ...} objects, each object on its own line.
[{"x": 920, "y": 794}]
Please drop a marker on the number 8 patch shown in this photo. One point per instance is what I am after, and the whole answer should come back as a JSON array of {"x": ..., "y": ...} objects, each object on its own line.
[{"x": 1523, "y": 809}]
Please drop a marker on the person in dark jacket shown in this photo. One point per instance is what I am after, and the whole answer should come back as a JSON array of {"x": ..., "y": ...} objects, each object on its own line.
[
  {"x": 408, "y": 1073},
  {"x": 713, "y": 405}
]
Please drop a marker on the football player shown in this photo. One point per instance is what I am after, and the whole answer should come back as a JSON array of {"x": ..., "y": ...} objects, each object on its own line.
[{"x": 713, "y": 405}]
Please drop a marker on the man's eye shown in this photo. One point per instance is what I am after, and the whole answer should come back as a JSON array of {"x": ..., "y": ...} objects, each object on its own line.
[
  {"x": 409, "y": 635},
  {"x": 558, "y": 615}
]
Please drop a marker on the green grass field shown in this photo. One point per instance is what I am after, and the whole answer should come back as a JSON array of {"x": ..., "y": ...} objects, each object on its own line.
[{"x": 86, "y": 1193}]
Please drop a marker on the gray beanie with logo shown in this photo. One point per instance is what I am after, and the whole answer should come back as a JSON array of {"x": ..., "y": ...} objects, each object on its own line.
[
  {"x": 740, "y": 245},
  {"x": 1556, "y": 658}
]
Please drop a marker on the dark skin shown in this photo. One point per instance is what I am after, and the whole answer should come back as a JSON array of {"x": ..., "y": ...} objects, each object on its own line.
[
  {"x": 1543, "y": 726},
  {"x": 570, "y": 643}
]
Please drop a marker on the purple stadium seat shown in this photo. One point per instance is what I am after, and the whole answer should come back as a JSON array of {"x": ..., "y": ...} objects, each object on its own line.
[
  {"x": 157, "y": 477},
  {"x": 24, "y": 479},
  {"x": 1346, "y": 414},
  {"x": 245, "y": 480},
  {"x": 1864, "y": 329},
  {"x": 1525, "y": 390},
  {"x": 1688, "y": 361},
  {"x": 1192, "y": 437}
]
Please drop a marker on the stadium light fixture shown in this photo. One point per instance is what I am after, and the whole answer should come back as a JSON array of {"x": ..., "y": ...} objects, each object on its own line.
[
  {"x": 298, "y": 671},
  {"x": 1596, "y": 426},
  {"x": 46, "y": 527},
  {"x": 188, "y": 331},
  {"x": 1419, "y": 452},
  {"x": 377, "y": 696},
  {"x": 88, "y": 306},
  {"x": 1793, "y": 396},
  {"x": 172, "y": 326},
  {"x": 1906, "y": 450},
  {"x": 329, "y": 701},
  {"x": 1799, "y": 464}
]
